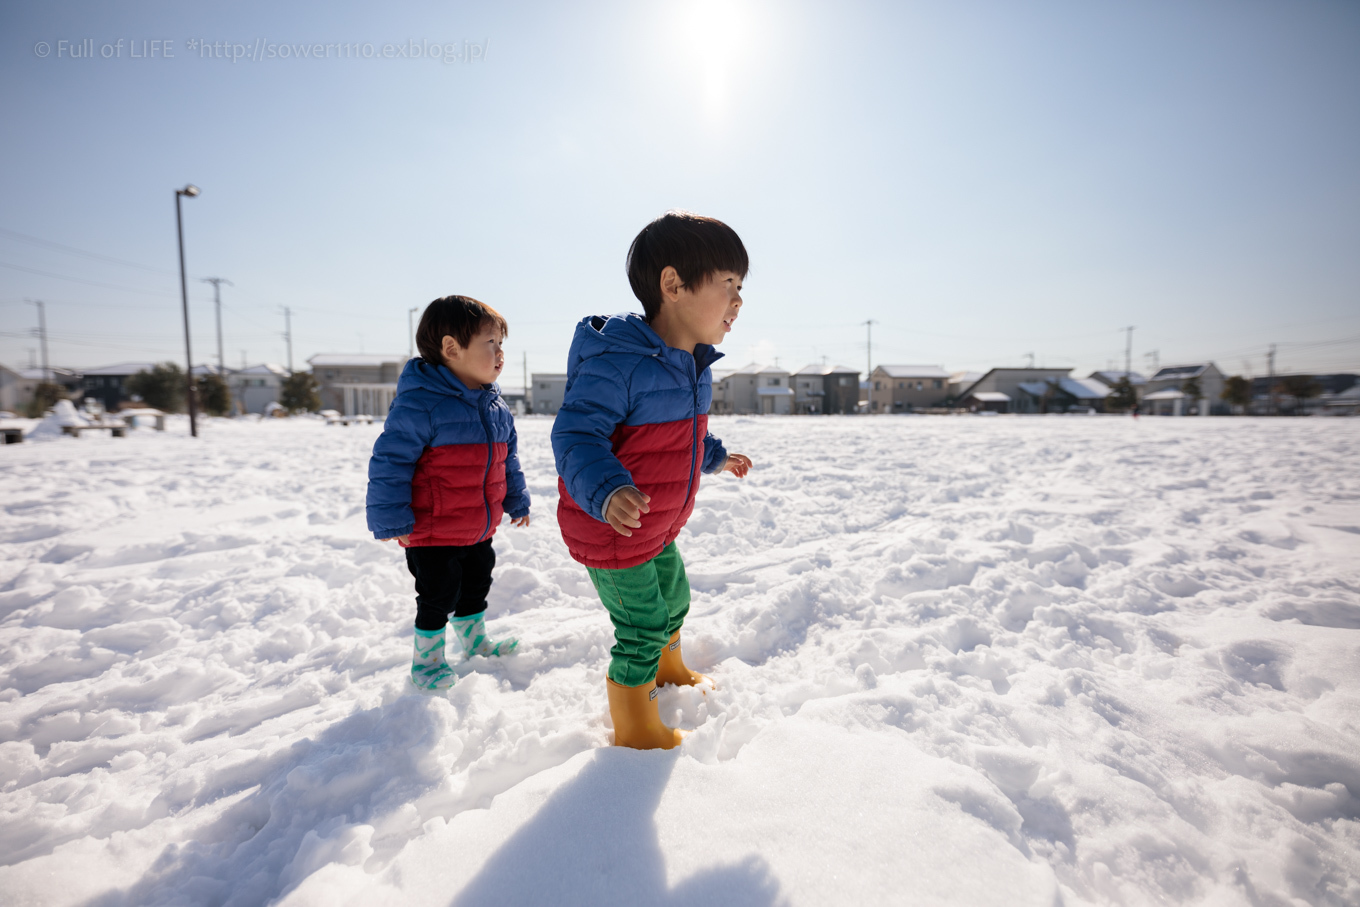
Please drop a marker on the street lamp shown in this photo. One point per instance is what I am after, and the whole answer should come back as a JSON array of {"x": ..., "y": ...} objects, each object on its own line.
[
  {"x": 190, "y": 190},
  {"x": 411, "y": 332}
]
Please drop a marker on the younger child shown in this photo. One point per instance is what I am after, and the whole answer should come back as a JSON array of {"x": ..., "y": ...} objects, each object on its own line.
[
  {"x": 631, "y": 438},
  {"x": 443, "y": 471}
]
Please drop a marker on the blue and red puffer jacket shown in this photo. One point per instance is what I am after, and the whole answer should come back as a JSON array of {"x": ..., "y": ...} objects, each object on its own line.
[
  {"x": 445, "y": 467},
  {"x": 635, "y": 413}
]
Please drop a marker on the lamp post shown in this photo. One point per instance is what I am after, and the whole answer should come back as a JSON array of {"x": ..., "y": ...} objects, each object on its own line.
[
  {"x": 190, "y": 190},
  {"x": 411, "y": 332}
]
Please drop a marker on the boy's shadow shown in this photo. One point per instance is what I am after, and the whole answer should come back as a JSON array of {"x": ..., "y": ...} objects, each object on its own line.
[{"x": 594, "y": 842}]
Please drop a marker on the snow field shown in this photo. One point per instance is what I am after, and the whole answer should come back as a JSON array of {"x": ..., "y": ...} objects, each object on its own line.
[{"x": 959, "y": 660}]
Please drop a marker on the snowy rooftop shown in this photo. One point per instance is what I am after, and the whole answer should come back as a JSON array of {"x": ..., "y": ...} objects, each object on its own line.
[
  {"x": 1110, "y": 377},
  {"x": 991, "y": 397},
  {"x": 121, "y": 369},
  {"x": 755, "y": 368},
  {"x": 357, "y": 360},
  {"x": 1084, "y": 388},
  {"x": 912, "y": 371},
  {"x": 827, "y": 370},
  {"x": 1180, "y": 371}
]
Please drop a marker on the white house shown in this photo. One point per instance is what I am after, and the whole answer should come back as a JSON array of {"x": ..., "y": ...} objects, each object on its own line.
[
  {"x": 357, "y": 383},
  {"x": 257, "y": 386},
  {"x": 754, "y": 389},
  {"x": 546, "y": 392}
]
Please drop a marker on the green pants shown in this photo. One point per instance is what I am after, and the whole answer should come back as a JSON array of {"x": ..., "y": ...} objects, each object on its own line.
[{"x": 647, "y": 604}]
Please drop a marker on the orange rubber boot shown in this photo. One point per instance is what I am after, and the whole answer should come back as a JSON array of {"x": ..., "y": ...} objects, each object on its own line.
[
  {"x": 637, "y": 723},
  {"x": 671, "y": 668}
]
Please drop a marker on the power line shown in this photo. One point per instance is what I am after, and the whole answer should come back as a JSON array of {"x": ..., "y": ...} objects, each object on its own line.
[{"x": 24, "y": 237}]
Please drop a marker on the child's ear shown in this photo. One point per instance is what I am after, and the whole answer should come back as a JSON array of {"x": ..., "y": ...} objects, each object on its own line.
[
  {"x": 671, "y": 284},
  {"x": 449, "y": 348}
]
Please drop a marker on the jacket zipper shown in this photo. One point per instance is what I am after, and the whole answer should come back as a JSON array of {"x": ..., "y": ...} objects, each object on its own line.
[{"x": 482, "y": 406}]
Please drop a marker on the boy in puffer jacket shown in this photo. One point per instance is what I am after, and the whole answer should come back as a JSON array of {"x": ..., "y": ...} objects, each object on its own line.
[
  {"x": 443, "y": 472},
  {"x": 630, "y": 440}
]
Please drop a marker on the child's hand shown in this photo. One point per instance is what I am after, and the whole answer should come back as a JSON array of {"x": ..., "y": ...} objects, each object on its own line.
[
  {"x": 738, "y": 464},
  {"x": 625, "y": 510},
  {"x": 402, "y": 540},
  {"x": 522, "y": 521}
]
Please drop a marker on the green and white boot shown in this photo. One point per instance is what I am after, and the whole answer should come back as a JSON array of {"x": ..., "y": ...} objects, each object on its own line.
[
  {"x": 471, "y": 632},
  {"x": 429, "y": 669}
]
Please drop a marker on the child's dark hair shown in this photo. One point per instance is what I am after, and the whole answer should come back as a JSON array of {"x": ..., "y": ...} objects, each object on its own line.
[
  {"x": 695, "y": 246},
  {"x": 459, "y": 317}
]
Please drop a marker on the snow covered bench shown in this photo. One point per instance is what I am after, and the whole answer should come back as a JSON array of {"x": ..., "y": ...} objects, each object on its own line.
[{"x": 117, "y": 429}]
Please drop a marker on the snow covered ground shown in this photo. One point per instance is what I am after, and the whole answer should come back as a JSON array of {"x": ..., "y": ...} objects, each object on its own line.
[{"x": 1050, "y": 660}]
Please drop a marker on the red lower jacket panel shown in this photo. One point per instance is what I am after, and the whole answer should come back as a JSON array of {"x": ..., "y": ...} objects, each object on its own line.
[
  {"x": 664, "y": 460},
  {"x": 453, "y": 494}
]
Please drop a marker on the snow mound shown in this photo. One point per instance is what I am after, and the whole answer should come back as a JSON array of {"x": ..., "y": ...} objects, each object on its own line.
[{"x": 64, "y": 414}]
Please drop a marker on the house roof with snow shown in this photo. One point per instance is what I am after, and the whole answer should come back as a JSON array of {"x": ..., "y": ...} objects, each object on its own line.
[
  {"x": 1180, "y": 371},
  {"x": 827, "y": 370},
  {"x": 1034, "y": 388},
  {"x": 755, "y": 368},
  {"x": 912, "y": 371},
  {"x": 122, "y": 369},
  {"x": 355, "y": 360},
  {"x": 1112, "y": 377},
  {"x": 965, "y": 379},
  {"x": 1169, "y": 394},
  {"x": 1084, "y": 388},
  {"x": 264, "y": 368},
  {"x": 991, "y": 397}
]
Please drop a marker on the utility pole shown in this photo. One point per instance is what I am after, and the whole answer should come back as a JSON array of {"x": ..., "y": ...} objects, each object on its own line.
[
  {"x": 217, "y": 304},
  {"x": 1031, "y": 359},
  {"x": 1128, "y": 353},
  {"x": 1155, "y": 358},
  {"x": 192, "y": 192},
  {"x": 1270, "y": 371},
  {"x": 411, "y": 332},
  {"x": 869, "y": 349},
  {"x": 288, "y": 335},
  {"x": 42, "y": 332},
  {"x": 524, "y": 365}
]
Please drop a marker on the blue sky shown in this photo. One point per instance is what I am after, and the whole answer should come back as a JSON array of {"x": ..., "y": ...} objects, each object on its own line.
[{"x": 985, "y": 180}]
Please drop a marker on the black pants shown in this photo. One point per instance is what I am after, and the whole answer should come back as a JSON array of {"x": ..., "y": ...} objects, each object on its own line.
[{"x": 450, "y": 579}]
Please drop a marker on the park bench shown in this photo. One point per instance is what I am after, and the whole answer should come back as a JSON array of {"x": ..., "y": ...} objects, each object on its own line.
[{"x": 116, "y": 429}]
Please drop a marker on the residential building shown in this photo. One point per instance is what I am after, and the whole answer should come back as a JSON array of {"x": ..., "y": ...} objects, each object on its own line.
[
  {"x": 755, "y": 389},
  {"x": 1110, "y": 378},
  {"x": 357, "y": 384},
  {"x": 546, "y": 392},
  {"x": 904, "y": 388},
  {"x": 1061, "y": 395},
  {"x": 1174, "y": 378},
  {"x": 257, "y": 386},
  {"x": 17, "y": 386},
  {"x": 960, "y": 382},
  {"x": 987, "y": 393},
  {"x": 825, "y": 390},
  {"x": 108, "y": 384}
]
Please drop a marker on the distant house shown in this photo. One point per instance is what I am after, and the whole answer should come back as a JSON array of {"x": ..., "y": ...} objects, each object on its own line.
[
  {"x": 357, "y": 383},
  {"x": 1174, "y": 378},
  {"x": 1062, "y": 395},
  {"x": 1007, "y": 383},
  {"x": 108, "y": 384},
  {"x": 1110, "y": 378},
  {"x": 904, "y": 388},
  {"x": 546, "y": 392},
  {"x": 824, "y": 390},
  {"x": 960, "y": 382},
  {"x": 17, "y": 386},
  {"x": 755, "y": 389},
  {"x": 257, "y": 386}
]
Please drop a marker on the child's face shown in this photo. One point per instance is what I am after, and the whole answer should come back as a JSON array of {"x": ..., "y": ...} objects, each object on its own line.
[
  {"x": 711, "y": 308},
  {"x": 481, "y": 361}
]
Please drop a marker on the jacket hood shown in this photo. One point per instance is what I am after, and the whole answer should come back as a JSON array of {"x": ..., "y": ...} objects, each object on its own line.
[
  {"x": 628, "y": 333},
  {"x": 420, "y": 374}
]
